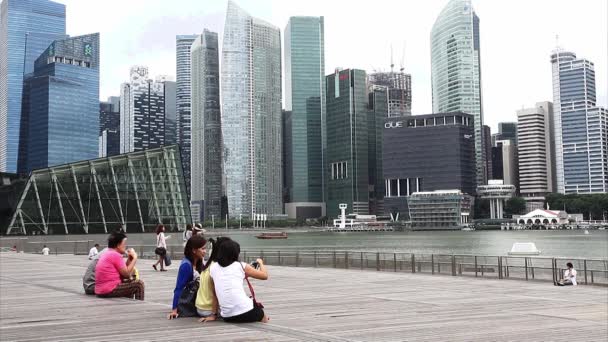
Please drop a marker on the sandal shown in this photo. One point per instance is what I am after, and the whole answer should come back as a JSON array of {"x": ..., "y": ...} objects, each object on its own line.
[
  {"x": 154, "y": 266},
  {"x": 163, "y": 270}
]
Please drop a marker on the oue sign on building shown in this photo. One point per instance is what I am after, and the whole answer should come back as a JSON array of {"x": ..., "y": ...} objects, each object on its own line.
[{"x": 393, "y": 124}]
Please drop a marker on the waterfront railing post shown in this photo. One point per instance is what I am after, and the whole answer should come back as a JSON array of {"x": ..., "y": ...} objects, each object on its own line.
[
  {"x": 526, "y": 266},
  {"x": 297, "y": 258},
  {"x": 377, "y": 261},
  {"x": 75, "y": 247},
  {"x": 314, "y": 256},
  {"x": 334, "y": 262},
  {"x": 279, "y": 256},
  {"x": 475, "y": 266},
  {"x": 499, "y": 261},
  {"x": 413, "y": 263},
  {"x": 361, "y": 260},
  {"x": 553, "y": 270},
  {"x": 453, "y": 265},
  {"x": 346, "y": 260},
  {"x": 395, "y": 262},
  {"x": 432, "y": 263},
  {"x": 585, "y": 268}
]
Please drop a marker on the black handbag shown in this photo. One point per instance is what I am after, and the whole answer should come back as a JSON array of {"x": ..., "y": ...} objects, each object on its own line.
[
  {"x": 186, "y": 304},
  {"x": 160, "y": 251}
]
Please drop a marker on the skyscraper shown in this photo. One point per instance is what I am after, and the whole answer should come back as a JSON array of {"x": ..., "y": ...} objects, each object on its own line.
[
  {"x": 109, "y": 127},
  {"x": 183, "y": 80},
  {"x": 206, "y": 126},
  {"x": 581, "y": 150},
  {"x": 487, "y": 146},
  {"x": 170, "y": 112},
  {"x": 142, "y": 111},
  {"x": 305, "y": 98},
  {"x": 399, "y": 85},
  {"x": 251, "y": 114},
  {"x": 347, "y": 163},
  {"x": 455, "y": 68},
  {"x": 27, "y": 28},
  {"x": 63, "y": 104},
  {"x": 536, "y": 154}
]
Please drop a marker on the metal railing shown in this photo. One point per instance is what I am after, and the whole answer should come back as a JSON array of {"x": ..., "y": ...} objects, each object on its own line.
[{"x": 589, "y": 271}]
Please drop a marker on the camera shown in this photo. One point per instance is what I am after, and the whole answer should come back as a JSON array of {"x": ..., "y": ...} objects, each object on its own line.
[{"x": 255, "y": 265}]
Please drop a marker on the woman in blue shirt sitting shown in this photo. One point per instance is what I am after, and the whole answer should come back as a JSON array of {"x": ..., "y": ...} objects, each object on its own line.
[{"x": 189, "y": 269}]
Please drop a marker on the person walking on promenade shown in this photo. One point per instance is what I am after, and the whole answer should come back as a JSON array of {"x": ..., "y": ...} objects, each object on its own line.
[
  {"x": 111, "y": 267},
  {"x": 161, "y": 247},
  {"x": 189, "y": 269},
  {"x": 187, "y": 233},
  {"x": 45, "y": 250},
  {"x": 93, "y": 251},
  {"x": 228, "y": 274},
  {"x": 569, "y": 276}
]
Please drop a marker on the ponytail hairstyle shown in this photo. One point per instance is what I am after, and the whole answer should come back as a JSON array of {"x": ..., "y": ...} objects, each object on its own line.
[{"x": 215, "y": 249}]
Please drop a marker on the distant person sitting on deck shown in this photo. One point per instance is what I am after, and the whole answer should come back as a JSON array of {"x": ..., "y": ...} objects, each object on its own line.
[
  {"x": 161, "y": 247},
  {"x": 569, "y": 276},
  {"x": 189, "y": 269},
  {"x": 228, "y": 275},
  {"x": 88, "y": 279},
  {"x": 111, "y": 268},
  {"x": 93, "y": 251},
  {"x": 14, "y": 248},
  {"x": 45, "y": 250}
]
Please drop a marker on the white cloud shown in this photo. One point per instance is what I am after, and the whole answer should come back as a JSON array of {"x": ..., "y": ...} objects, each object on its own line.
[{"x": 517, "y": 37}]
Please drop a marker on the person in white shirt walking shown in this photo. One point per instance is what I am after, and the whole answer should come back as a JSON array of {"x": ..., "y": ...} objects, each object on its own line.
[
  {"x": 45, "y": 250},
  {"x": 569, "y": 276},
  {"x": 94, "y": 251},
  {"x": 161, "y": 247}
]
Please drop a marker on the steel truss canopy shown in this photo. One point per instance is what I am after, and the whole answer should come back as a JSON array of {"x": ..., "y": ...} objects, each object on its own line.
[{"x": 133, "y": 191}]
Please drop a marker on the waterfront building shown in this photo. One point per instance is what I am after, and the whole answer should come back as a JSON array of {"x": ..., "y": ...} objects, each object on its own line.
[
  {"x": 142, "y": 111},
  {"x": 62, "y": 104},
  {"x": 399, "y": 85},
  {"x": 505, "y": 162},
  {"x": 109, "y": 127},
  {"x": 427, "y": 153},
  {"x": 206, "y": 183},
  {"x": 581, "y": 151},
  {"x": 27, "y": 28},
  {"x": 456, "y": 71},
  {"x": 134, "y": 191},
  {"x": 497, "y": 192},
  {"x": 251, "y": 114},
  {"x": 379, "y": 107},
  {"x": 440, "y": 209},
  {"x": 536, "y": 154},
  {"x": 183, "y": 44},
  {"x": 347, "y": 164},
  {"x": 305, "y": 100}
]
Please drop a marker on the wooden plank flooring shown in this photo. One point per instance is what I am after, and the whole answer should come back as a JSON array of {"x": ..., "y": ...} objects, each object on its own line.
[{"x": 41, "y": 298}]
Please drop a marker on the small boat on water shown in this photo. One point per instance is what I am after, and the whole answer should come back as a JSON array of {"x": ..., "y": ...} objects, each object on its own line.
[{"x": 264, "y": 236}]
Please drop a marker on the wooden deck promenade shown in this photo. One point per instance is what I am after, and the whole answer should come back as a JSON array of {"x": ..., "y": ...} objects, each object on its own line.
[{"x": 41, "y": 299}]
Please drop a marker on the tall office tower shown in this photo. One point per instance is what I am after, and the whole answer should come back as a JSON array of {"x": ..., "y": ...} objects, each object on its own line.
[
  {"x": 347, "y": 163},
  {"x": 581, "y": 156},
  {"x": 504, "y": 162},
  {"x": 206, "y": 127},
  {"x": 379, "y": 107},
  {"x": 142, "y": 111},
  {"x": 507, "y": 131},
  {"x": 251, "y": 114},
  {"x": 487, "y": 145},
  {"x": 536, "y": 154},
  {"x": 62, "y": 113},
  {"x": 183, "y": 80},
  {"x": 169, "y": 89},
  {"x": 305, "y": 99},
  {"x": 399, "y": 86},
  {"x": 26, "y": 30},
  {"x": 109, "y": 127},
  {"x": 427, "y": 153},
  {"x": 455, "y": 69}
]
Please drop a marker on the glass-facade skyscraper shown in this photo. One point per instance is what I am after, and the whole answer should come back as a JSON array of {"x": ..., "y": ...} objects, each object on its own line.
[
  {"x": 305, "y": 99},
  {"x": 206, "y": 127},
  {"x": 580, "y": 128},
  {"x": 251, "y": 114},
  {"x": 27, "y": 28},
  {"x": 109, "y": 127},
  {"x": 456, "y": 72},
  {"x": 62, "y": 113},
  {"x": 183, "y": 81}
]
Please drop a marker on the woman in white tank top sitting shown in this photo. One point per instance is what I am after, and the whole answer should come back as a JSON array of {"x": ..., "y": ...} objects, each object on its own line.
[{"x": 228, "y": 275}]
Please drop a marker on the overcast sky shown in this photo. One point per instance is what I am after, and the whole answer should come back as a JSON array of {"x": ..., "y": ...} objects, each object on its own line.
[{"x": 517, "y": 37}]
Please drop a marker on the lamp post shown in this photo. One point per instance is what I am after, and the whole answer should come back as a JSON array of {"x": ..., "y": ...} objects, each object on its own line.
[{"x": 240, "y": 216}]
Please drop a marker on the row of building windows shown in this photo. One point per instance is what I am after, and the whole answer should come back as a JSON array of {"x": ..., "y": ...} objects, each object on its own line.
[
  {"x": 402, "y": 187},
  {"x": 339, "y": 170},
  {"x": 69, "y": 61}
]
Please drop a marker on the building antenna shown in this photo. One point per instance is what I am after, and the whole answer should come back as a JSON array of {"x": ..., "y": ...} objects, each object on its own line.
[
  {"x": 403, "y": 58},
  {"x": 392, "y": 64}
]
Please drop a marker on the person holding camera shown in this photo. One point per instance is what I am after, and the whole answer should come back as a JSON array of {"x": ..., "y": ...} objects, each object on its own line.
[
  {"x": 228, "y": 275},
  {"x": 111, "y": 269}
]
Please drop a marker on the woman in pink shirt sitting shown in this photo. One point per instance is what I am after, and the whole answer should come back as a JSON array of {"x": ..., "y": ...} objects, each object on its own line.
[{"x": 112, "y": 268}]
